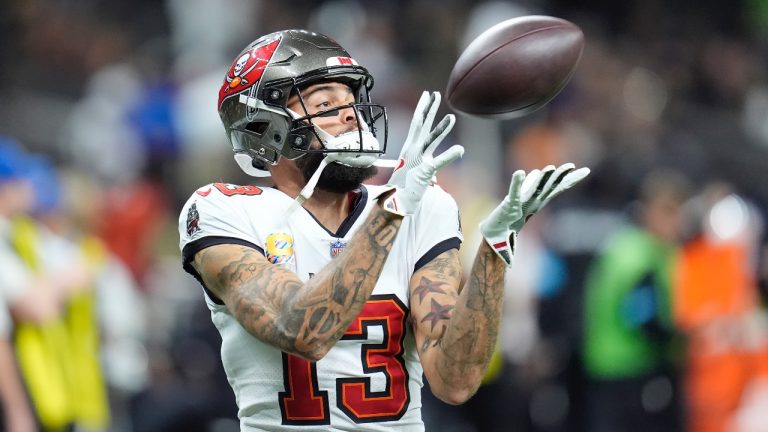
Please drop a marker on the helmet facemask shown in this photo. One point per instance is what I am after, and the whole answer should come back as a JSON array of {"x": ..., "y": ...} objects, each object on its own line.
[
  {"x": 301, "y": 135},
  {"x": 356, "y": 147}
]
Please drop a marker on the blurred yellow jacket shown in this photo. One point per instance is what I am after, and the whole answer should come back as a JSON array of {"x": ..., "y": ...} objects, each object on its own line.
[{"x": 59, "y": 360}]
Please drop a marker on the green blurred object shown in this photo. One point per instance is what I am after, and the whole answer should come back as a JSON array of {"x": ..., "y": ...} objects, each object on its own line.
[{"x": 616, "y": 345}]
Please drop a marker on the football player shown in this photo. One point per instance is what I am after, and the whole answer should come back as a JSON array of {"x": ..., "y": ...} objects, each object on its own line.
[{"x": 333, "y": 299}]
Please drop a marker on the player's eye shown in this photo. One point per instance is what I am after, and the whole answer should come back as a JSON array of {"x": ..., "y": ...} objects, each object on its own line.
[
  {"x": 325, "y": 109},
  {"x": 331, "y": 109},
  {"x": 327, "y": 112}
]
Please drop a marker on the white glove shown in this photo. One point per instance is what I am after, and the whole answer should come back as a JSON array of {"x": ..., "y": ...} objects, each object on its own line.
[
  {"x": 527, "y": 195},
  {"x": 421, "y": 136},
  {"x": 406, "y": 200}
]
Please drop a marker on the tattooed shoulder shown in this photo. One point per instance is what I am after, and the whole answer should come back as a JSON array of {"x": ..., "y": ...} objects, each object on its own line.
[
  {"x": 447, "y": 264},
  {"x": 222, "y": 265}
]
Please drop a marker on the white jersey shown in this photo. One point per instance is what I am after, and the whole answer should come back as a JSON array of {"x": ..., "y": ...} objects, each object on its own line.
[{"x": 371, "y": 379}]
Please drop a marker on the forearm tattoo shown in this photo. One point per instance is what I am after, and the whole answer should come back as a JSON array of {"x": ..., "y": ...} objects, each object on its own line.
[
  {"x": 304, "y": 319},
  {"x": 436, "y": 288},
  {"x": 429, "y": 343},
  {"x": 470, "y": 338}
]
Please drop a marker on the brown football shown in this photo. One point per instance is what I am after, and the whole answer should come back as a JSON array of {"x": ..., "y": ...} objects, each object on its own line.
[{"x": 515, "y": 67}]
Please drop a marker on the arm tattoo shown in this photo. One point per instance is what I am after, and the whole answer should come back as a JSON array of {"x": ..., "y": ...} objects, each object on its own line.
[
  {"x": 469, "y": 341},
  {"x": 307, "y": 318},
  {"x": 437, "y": 313},
  {"x": 444, "y": 265},
  {"x": 321, "y": 315},
  {"x": 427, "y": 286},
  {"x": 485, "y": 277},
  {"x": 444, "y": 272},
  {"x": 429, "y": 343}
]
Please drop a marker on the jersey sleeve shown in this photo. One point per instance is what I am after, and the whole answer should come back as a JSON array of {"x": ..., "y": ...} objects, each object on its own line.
[
  {"x": 439, "y": 226},
  {"x": 209, "y": 218}
]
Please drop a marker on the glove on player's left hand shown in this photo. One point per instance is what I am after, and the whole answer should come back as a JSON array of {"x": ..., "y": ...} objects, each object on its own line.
[{"x": 527, "y": 195}]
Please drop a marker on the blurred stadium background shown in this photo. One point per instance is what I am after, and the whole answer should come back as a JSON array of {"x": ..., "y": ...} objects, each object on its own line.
[{"x": 120, "y": 99}]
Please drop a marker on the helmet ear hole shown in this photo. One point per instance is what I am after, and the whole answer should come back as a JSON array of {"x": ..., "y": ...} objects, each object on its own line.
[
  {"x": 259, "y": 164},
  {"x": 257, "y": 127}
]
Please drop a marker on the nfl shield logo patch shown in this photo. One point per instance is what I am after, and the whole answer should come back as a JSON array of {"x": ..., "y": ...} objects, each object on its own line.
[{"x": 337, "y": 246}]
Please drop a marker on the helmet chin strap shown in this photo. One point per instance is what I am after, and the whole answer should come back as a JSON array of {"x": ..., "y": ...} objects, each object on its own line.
[{"x": 309, "y": 188}]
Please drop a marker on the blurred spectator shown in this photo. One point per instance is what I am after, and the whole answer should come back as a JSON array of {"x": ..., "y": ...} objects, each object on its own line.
[
  {"x": 629, "y": 340},
  {"x": 120, "y": 307},
  {"x": 24, "y": 293},
  {"x": 98, "y": 136},
  {"x": 33, "y": 302},
  {"x": 133, "y": 217},
  {"x": 106, "y": 315},
  {"x": 17, "y": 414},
  {"x": 717, "y": 306},
  {"x": 58, "y": 356}
]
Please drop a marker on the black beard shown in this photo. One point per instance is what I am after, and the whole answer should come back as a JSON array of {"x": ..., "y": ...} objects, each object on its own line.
[{"x": 335, "y": 178}]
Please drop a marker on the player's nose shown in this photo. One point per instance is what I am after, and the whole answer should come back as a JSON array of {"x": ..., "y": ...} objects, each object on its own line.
[{"x": 347, "y": 115}]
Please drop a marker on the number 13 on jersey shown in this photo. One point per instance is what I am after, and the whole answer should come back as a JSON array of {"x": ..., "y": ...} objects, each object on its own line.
[{"x": 304, "y": 403}]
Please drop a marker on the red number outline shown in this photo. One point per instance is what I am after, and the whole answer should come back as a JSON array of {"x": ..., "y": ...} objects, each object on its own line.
[
  {"x": 230, "y": 189},
  {"x": 354, "y": 395},
  {"x": 306, "y": 404},
  {"x": 303, "y": 403}
]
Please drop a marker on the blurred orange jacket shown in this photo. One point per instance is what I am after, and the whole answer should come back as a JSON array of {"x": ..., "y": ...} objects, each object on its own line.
[{"x": 714, "y": 298}]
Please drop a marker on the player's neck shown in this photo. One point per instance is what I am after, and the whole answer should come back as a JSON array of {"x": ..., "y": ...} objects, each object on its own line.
[{"x": 329, "y": 208}]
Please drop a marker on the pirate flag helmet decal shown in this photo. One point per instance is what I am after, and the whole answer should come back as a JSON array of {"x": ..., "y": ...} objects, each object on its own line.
[{"x": 247, "y": 68}]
